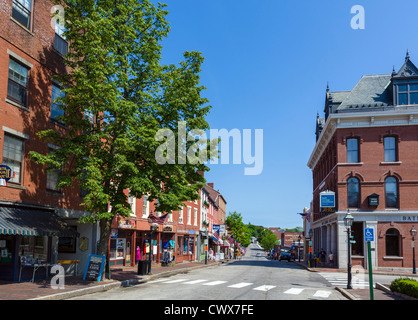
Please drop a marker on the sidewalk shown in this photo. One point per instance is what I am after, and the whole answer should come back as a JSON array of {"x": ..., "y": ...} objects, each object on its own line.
[
  {"x": 363, "y": 294},
  {"x": 75, "y": 285}
]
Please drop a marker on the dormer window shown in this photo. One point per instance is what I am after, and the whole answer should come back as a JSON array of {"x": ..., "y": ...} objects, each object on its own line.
[{"x": 407, "y": 94}]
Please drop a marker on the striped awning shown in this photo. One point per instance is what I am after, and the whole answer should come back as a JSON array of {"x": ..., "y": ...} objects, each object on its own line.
[{"x": 32, "y": 222}]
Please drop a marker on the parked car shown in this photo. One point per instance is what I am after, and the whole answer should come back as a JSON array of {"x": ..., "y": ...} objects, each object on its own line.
[{"x": 284, "y": 255}]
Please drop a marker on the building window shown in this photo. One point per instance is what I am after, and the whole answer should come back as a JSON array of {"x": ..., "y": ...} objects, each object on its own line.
[
  {"x": 132, "y": 203},
  {"x": 21, "y": 12},
  {"x": 145, "y": 212},
  {"x": 52, "y": 177},
  {"x": 391, "y": 192},
  {"x": 33, "y": 248},
  {"x": 17, "y": 82},
  {"x": 392, "y": 243},
  {"x": 352, "y": 150},
  {"x": 407, "y": 94},
  {"x": 181, "y": 215},
  {"x": 195, "y": 216},
  {"x": 60, "y": 43},
  {"x": 56, "y": 109},
  {"x": 390, "y": 148},
  {"x": 353, "y": 192},
  {"x": 189, "y": 215},
  {"x": 12, "y": 156}
]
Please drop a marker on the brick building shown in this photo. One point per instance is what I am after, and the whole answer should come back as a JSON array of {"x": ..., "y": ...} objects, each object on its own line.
[
  {"x": 31, "y": 52},
  {"x": 367, "y": 153}
]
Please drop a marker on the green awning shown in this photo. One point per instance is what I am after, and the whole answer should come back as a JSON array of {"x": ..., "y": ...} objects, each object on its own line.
[{"x": 32, "y": 222}]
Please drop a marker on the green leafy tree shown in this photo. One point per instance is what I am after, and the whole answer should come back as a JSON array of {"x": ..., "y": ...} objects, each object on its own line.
[
  {"x": 268, "y": 239},
  {"x": 118, "y": 95},
  {"x": 238, "y": 229}
]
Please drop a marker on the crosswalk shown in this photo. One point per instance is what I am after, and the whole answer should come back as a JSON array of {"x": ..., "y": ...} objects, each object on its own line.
[
  {"x": 358, "y": 281},
  {"x": 240, "y": 285}
]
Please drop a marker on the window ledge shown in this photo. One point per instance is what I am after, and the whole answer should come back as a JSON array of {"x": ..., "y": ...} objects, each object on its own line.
[
  {"x": 58, "y": 123},
  {"x": 22, "y": 26},
  {"x": 350, "y": 163},
  {"x": 392, "y": 258},
  {"x": 390, "y": 162},
  {"x": 16, "y": 104},
  {"x": 54, "y": 192},
  {"x": 15, "y": 186},
  {"x": 390, "y": 209}
]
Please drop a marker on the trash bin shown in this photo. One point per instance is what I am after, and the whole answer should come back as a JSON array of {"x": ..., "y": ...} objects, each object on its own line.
[{"x": 142, "y": 268}]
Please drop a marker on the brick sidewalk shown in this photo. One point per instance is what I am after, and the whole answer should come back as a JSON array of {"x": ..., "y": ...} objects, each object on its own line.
[{"x": 42, "y": 288}]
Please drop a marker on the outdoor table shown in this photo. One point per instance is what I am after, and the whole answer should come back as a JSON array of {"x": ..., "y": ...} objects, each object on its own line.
[{"x": 35, "y": 267}]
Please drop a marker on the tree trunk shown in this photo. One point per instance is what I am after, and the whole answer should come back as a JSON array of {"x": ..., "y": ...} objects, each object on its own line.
[{"x": 105, "y": 227}]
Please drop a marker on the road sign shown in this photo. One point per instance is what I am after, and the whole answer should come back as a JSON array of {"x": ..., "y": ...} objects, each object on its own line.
[{"x": 368, "y": 234}]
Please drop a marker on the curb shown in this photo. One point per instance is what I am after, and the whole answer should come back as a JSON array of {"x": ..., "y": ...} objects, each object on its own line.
[
  {"x": 346, "y": 294},
  {"x": 124, "y": 283}
]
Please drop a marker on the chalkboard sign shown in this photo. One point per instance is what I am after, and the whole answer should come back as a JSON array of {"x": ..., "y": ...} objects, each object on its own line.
[{"x": 94, "y": 267}]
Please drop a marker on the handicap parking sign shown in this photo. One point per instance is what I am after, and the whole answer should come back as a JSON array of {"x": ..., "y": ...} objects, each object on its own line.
[{"x": 368, "y": 234}]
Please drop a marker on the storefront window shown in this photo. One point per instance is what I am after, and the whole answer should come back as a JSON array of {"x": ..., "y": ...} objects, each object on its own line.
[
  {"x": 186, "y": 241},
  {"x": 191, "y": 245},
  {"x": 34, "y": 249},
  {"x": 117, "y": 248},
  {"x": 180, "y": 245},
  {"x": 6, "y": 248}
]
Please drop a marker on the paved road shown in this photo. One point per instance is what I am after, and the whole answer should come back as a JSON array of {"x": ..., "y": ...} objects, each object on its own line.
[{"x": 252, "y": 278}]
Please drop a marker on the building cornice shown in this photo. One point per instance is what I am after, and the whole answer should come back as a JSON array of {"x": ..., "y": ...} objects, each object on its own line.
[{"x": 398, "y": 116}]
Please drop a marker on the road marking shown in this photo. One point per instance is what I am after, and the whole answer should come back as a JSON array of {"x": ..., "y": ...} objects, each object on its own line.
[
  {"x": 294, "y": 291},
  {"x": 338, "y": 280},
  {"x": 264, "y": 288},
  {"x": 195, "y": 281},
  {"x": 240, "y": 285},
  {"x": 175, "y": 281},
  {"x": 158, "y": 280},
  {"x": 214, "y": 283},
  {"x": 322, "y": 294}
]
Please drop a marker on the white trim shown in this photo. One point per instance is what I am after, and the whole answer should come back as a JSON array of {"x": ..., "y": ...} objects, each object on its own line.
[
  {"x": 20, "y": 59},
  {"x": 397, "y": 117},
  {"x": 15, "y": 133}
]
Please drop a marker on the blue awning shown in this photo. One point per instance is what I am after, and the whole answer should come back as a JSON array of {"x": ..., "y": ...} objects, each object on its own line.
[{"x": 32, "y": 222}]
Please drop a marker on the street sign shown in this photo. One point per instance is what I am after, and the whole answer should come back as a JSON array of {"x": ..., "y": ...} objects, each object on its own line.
[{"x": 368, "y": 234}]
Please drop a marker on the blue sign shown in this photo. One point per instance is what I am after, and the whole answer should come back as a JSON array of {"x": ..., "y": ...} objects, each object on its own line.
[
  {"x": 327, "y": 200},
  {"x": 94, "y": 267},
  {"x": 368, "y": 234}
]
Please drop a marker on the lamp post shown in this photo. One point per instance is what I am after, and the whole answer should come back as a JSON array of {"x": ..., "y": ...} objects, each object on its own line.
[
  {"x": 299, "y": 248},
  {"x": 413, "y": 234},
  {"x": 310, "y": 233},
  {"x": 348, "y": 222}
]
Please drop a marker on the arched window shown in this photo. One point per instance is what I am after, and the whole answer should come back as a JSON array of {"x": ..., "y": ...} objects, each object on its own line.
[
  {"x": 353, "y": 192},
  {"x": 393, "y": 243},
  {"x": 391, "y": 192}
]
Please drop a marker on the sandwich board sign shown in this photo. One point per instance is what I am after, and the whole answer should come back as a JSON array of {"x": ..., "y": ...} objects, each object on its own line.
[{"x": 94, "y": 267}]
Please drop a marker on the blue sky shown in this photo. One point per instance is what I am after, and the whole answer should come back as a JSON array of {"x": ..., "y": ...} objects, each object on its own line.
[{"x": 267, "y": 64}]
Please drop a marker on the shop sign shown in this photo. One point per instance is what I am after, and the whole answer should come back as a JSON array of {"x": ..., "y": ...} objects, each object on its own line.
[
  {"x": 168, "y": 228},
  {"x": 327, "y": 201},
  {"x": 126, "y": 224},
  {"x": 94, "y": 267},
  {"x": 6, "y": 173},
  {"x": 83, "y": 244},
  {"x": 410, "y": 218},
  {"x": 192, "y": 232},
  {"x": 114, "y": 233}
]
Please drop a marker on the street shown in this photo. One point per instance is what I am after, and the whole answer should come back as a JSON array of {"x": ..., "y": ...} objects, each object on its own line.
[{"x": 252, "y": 278}]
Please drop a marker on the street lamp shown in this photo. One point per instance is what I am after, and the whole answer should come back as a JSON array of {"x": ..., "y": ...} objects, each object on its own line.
[
  {"x": 299, "y": 248},
  {"x": 348, "y": 222},
  {"x": 413, "y": 234}
]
